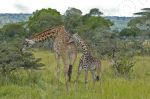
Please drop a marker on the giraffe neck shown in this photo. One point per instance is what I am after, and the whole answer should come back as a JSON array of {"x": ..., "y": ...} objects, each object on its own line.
[
  {"x": 84, "y": 47},
  {"x": 49, "y": 33},
  {"x": 82, "y": 43}
]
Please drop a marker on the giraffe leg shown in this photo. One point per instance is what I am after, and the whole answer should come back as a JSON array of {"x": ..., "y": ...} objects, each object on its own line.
[
  {"x": 66, "y": 71},
  {"x": 79, "y": 72},
  {"x": 58, "y": 66},
  {"x": 70, "y": 72},
  {"x": 86, "y": 76},
  {"x": 98, "y": 71},
  {"x": 93, "y": 72},
  {"x": 72, "y": 58}
]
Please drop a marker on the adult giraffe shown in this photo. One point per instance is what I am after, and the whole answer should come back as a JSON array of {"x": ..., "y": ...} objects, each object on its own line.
[{"x": 63, "y": 49}]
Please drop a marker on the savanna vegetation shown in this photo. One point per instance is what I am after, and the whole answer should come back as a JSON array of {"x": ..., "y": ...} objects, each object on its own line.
[{"x": 124, "y": 55}]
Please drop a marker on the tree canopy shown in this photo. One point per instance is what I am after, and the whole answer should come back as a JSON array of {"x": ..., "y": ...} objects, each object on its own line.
[
  {"x": 13, "y": 29},
  {"x": 44, "y": 18},
  {"x": 95, "y": 12}
]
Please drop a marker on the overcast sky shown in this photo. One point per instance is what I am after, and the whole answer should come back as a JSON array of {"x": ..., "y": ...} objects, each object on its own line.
[{"x": 108, "y": 7}]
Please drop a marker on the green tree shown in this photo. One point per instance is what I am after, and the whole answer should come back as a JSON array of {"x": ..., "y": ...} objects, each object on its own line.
[
  {"x": 73, "y": 12},
  {"x": 130, "y": 32},
  {"x": 94, "y": 22},
  {"x": 44, "y": 18},
  {"x": 142, "y": 21},
  {"x": 76, "y": 22},
  {"x": 93, "y": 26},
  {"x": 95, "y": 12},
  {"x": 95, "y": 29},
  {"x": 13, "y": 29},
  {"x": 72, "y": 19}
]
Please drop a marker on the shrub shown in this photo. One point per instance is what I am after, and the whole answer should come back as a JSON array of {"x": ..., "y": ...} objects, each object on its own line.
[
  {"x": 122, "y": 63},
  {"x": 12, "y": 59}
]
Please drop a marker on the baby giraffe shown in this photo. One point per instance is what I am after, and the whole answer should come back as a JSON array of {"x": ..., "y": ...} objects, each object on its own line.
[{"x": 87, "y": 61}]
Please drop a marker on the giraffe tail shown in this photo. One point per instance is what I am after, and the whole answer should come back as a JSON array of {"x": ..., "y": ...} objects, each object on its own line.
[{"x": 70, "y": 71}]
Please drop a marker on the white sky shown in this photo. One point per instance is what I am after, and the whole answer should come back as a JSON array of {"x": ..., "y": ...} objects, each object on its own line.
[{"x": 108, "y": 7}]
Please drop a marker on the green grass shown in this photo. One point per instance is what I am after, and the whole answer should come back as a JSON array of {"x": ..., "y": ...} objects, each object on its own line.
[{"x": 42, "y": 84}]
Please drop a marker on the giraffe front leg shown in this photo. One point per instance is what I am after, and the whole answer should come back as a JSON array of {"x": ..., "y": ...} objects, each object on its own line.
[
  {"x": 86, "y": 78},
  {"x": 66, "y": 75},
  {"x": 66, "y": 72},
  {"x": 57, "y": 67},
  {"x": 78, "y": 74},
  {"x": 93, "y": 76}
]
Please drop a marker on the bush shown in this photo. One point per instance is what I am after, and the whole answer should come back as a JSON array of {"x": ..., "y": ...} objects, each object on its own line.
[
  {"x": 122, "y": 63},
  {"x": 12, "y": 59}
]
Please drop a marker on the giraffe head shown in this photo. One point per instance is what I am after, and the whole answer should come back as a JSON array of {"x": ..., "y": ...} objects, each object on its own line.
[{"x": 27, "y": 44}]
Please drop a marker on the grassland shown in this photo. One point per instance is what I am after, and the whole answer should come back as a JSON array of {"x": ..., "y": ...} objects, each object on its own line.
[{"x": 42, "y": 84}]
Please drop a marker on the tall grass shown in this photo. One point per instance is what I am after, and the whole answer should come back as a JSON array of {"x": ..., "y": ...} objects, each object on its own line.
[{"x": 42, "y": 84}]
